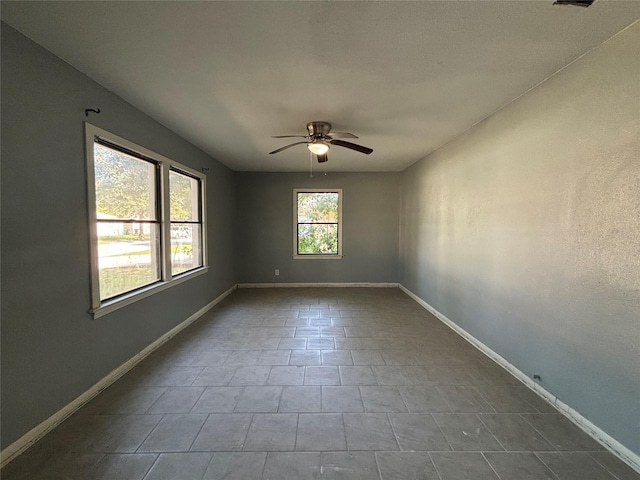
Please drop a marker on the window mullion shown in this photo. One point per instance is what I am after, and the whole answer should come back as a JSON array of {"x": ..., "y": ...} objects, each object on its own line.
[{"x": 165, "y": 221}]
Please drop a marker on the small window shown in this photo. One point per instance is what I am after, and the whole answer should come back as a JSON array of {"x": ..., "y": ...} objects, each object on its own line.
[
  {"x": 147, "y": 221},
  {"x": 317, "y": 223}
]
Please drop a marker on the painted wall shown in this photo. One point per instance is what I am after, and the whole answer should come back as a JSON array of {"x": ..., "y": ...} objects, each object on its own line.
[
  {"x": 370, "y": 227},
  {"x": 525, "y": 231},
  {"x": 52, "y": 349}
]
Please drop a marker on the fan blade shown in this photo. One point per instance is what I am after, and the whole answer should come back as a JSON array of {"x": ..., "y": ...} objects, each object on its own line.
[
  {"x": 341, "y": 135},
  {"x": 322, "y": 158},
  {"x": 287, "y": 146},
  {"x": 352, "y": 146},
  {"x": 289, "y": 136}
]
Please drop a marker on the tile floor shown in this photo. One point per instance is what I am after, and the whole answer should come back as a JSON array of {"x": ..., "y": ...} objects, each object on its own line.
[{"x": 317, "y": 384}]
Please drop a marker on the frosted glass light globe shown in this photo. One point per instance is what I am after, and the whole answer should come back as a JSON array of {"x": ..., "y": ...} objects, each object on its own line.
[{"x": 319, "y": 148}]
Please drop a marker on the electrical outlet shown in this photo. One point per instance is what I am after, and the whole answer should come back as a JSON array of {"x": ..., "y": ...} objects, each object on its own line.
[{"x": 277, "y": 272}]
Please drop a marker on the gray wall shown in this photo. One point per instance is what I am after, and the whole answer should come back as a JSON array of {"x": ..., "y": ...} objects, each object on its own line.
[
  {"x": 52, "y": 349},
  {"x": 525, "y": 231},
  {"x": 370, "y": 227}
]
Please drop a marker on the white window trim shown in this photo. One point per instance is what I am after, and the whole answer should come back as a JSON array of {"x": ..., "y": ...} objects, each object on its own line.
[
  {"x": 296, "y": 255},
  {"x": 100, "y": 308}
]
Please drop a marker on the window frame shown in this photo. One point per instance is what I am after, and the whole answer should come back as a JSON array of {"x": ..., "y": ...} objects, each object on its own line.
[
  {"x": 200, "y": 222},
  {"x": 164, "y": 166},
  {"x": 316, "y": 256}
]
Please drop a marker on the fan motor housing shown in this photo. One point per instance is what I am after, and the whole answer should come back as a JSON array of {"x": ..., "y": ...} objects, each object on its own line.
[{"x": 319, "y": 129}]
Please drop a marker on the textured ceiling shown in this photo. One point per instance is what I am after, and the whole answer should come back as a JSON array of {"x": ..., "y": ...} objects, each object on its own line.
[{"x": 406, "y": 77}]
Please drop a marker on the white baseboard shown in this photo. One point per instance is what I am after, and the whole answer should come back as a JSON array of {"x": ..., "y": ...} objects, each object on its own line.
[
  {"x": 602, "y": 437},
  {"x": 39, "y": 431},
  {"x": 317, "y": 284}
]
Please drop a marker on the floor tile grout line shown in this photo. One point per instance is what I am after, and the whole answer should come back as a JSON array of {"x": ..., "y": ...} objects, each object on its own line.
[
  {"x": 196, "y": 377},
  {"x": 442, "y": 433},
  {"x": 444, "y": 397},
  {"x": 344, "y": 432},
  {"x": 434, "y": 465},
  {"x": 491, "y": 432},
  {"x": 603, "y": 466},
  {"x": 211, "y": 456},
  {"x": 375, "y": 456},
  {"x": 147, "y": 435},
  {"x": 395, "y": 435},
  {"x": 488, "y": 401},
  {"x": 546, "y": 465},
  {"x": 295, "y": 442},
  {"x": 475, "y": 389},
  {"x": 490, "y": 466},
  {"x": 199, "y": 431},
  {"x": 402, "y": 398},
  {"x": 264, "y": 465},
  {"x": 539, "y": 432},
  {"x": 246, "y": 435}
]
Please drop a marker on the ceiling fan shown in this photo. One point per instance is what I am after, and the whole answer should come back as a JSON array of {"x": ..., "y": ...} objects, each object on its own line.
[{"x": 320, "y": 138}]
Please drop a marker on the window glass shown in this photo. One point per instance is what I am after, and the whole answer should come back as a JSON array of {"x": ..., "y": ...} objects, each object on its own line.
[
  {"x": 317, "y": 225},
  {"x": 127, "y": 225},
  {"x": 186, "y": 228},
  {"x": 185, "y": 197}
]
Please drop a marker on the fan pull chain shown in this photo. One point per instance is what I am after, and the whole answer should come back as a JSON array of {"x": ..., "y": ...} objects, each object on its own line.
[{"x": 310, "y": 165}]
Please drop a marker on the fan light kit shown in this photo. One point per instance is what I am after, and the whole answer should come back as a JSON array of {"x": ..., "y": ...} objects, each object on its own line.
[
  {"x": 321, "y": 138},
  {"x": 318, "y": 147}
]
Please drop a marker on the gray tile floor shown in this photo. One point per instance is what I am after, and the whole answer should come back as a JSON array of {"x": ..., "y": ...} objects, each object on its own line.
[{"x": 317, "y": 383}]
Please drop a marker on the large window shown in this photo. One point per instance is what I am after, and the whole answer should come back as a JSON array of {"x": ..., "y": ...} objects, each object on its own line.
[
  {"x": 147, "y": 221},
  {"x": 317, "y": 217}
]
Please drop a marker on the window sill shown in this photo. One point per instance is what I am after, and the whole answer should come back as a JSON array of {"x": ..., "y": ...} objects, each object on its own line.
[
  {"x": 115, "y": 304},
  {"x": 317, "y": 257}
]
